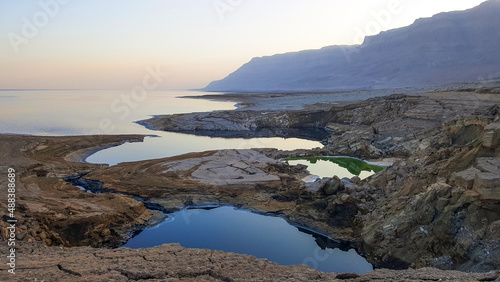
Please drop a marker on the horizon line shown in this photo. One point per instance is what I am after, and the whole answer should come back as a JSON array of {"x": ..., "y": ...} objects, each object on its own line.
[{"x": 85, "y": 89}]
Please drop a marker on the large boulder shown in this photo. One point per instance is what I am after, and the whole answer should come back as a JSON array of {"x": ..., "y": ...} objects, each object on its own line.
[
  {"x": 332, "y": 186},
  {"x": 465, "y": 179},
  {"x": 491, "y": 138},
  {"x": 484, "y": 178}
]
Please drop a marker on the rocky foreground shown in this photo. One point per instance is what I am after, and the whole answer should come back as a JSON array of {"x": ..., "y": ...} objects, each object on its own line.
[
  {"x": 53, "y": 211},
  {"x": 438, "y": 206},
  {"x": 174, "y": 263}
]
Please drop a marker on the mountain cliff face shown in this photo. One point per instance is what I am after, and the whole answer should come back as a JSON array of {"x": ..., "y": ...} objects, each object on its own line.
[{"x": 447, "y": 48}]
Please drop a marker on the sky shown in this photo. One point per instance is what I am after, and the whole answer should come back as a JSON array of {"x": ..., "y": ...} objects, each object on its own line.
[{"x": 114, "y": 44}]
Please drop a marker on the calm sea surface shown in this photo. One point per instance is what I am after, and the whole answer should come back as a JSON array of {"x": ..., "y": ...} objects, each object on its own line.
[{"x": 77, "y": 112}]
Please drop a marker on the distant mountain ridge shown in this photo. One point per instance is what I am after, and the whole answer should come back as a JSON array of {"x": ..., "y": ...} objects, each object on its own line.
[{"x": 453, "y": 47}]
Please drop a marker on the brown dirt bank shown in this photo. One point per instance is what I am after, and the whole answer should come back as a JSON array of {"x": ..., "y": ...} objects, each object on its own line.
[
  {"x": 174, "y": 263},
  {"x": 52, "y": 210}
]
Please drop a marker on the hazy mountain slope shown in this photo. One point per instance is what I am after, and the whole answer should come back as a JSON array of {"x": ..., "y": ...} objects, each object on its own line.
[{"x": 446, "y": 48}]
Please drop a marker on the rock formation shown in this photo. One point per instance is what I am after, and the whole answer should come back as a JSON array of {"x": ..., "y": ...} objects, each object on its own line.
[
  {"x": 55, "y": 212},
  {"x": 438, "y": 206},
  {"x": 174, "y": 263}
]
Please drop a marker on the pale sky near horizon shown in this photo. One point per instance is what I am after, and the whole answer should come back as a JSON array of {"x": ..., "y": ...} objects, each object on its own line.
[{"x": 93, "y": 44}]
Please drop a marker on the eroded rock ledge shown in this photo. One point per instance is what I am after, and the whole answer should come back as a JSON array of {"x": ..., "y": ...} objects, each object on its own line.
[
  {"x": 378, "y": 127},
  {"x": 174, "y": 263},
  {"x": 55, "y": 212}
]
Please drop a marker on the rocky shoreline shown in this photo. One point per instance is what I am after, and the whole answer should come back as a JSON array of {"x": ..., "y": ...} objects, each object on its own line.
[
  {"x": 435, "y": 207},
  {"x": 447, "y": 181},
  {"x": 53, "y": 211}
]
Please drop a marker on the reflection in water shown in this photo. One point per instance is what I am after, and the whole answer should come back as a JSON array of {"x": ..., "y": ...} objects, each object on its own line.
[
  {"x": 340, "y": 166},
  {"x": 324, "y": 242},
  {"x": 172, "y": 144},
  {"x": 306, "y": 133},
  {"x": 81, "y": 112},
  {"x": 232, "y": 230}
]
